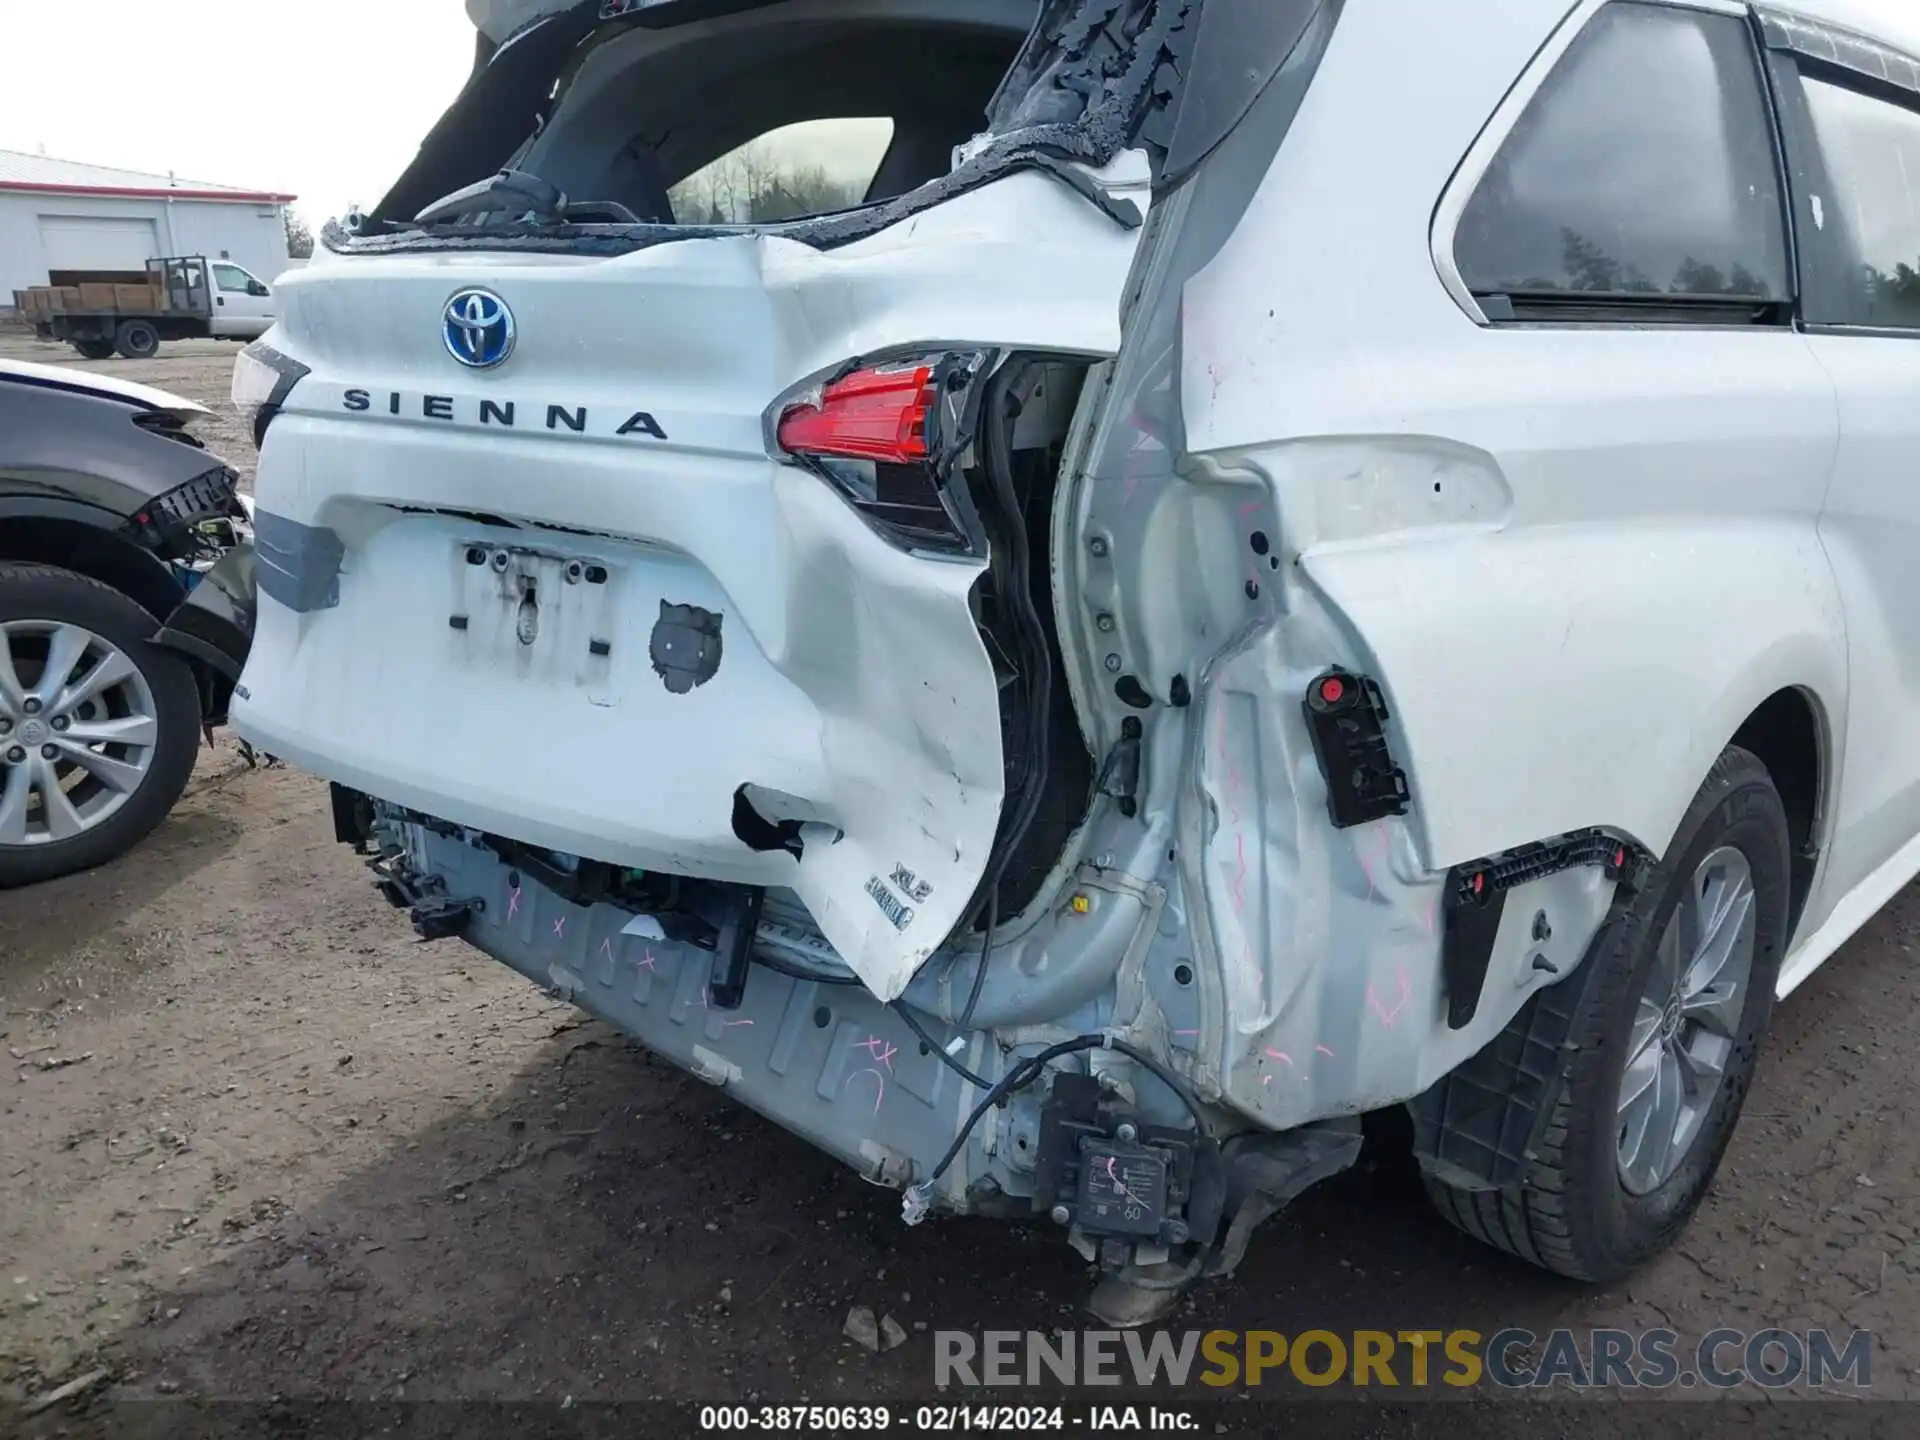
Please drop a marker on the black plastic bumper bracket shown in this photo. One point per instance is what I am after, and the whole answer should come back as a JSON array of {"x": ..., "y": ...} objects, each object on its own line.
[
  {"x": 1472, "y": 923},
  {"x": 733, "y": 947},
  {"x": 352, "y": 816},
  {"x": 1347, "y": 718},
  {"x": 1476, "y": 898},
  {"x": 436, "y": 917}
]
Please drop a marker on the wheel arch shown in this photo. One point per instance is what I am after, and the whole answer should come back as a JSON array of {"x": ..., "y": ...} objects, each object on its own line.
[
  {"x": 1790, "y": 734},
  {"x": 1590, "y": 703},
  {"x": 66, "y": 541},
  {"x": 90, "y": 549}
]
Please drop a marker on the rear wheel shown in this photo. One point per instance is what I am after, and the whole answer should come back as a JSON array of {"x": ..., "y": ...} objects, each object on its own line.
[
  {"x": 94, "y": 349},
  {"x": 97, "y": 726},
  {"x": 136, "y": 340},
  {"x": 1662, "y": 1050}
]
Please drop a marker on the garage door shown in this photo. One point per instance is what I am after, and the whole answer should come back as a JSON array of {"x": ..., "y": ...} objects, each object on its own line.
[{"x": 95, "y": 242}]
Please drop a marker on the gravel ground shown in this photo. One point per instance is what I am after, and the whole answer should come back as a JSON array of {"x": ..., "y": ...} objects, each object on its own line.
[{"x": 298, "y": 1155}]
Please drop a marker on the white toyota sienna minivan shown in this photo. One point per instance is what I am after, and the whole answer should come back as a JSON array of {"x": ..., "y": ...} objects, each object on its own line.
[{"x": 1067, "y": 596}]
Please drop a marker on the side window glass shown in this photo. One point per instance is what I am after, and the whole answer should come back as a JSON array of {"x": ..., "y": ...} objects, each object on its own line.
[
  {"x": 810, "y": 168},
  {"x": 1868, "y": 230},
  {"x": 231, "y": 278},
  {"x": 1644, "y": 173}
]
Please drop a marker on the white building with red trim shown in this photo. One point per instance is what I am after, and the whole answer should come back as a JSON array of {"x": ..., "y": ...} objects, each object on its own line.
[{"x": 60, "y": 217}]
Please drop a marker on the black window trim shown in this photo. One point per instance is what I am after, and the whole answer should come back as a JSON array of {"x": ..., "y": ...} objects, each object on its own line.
[
  {"x": 1620, "y": 312},
  {"x": 1834, "y": 47},
  {"x": 1799, "y": 56}
]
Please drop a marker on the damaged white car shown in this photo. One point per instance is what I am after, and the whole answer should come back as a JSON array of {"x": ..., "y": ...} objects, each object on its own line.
[{"x": 1325, "y": 556}]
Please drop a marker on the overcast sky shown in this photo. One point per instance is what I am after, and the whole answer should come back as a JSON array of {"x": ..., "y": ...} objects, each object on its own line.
[{"x": 327, "y": 99}]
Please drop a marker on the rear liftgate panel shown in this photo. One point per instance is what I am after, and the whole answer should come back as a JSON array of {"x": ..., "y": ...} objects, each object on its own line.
[{"x": 589, "y": 626}]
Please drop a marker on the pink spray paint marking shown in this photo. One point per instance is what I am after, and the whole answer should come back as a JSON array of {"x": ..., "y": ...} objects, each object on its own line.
[
  {"x": 1239, "y": 882},
  {"x": 1322, "y": 1050},
  {"x": 1144, "y": 431},
  {"x": 606, "y": 947},
  {"x": 560, "y": 927},
  {"x": 1387, "y": 1017},
  {"x": 1186, "y": 1032},
  {"x": 881, "y": 1080},
  {"x": 1232, "y": 768},
  {"x": 1131, "y": 484},
  {"x": 647, "y": 964},
  {"x": 1282, "y": 1055},
  {"x": 1113, "y": 1174},
  {"x": 878, "y": 1049},
  {"x": 1385, "y": 850},
  {"x": 729, "y": 1024},
  {"x": 513, "y": 902}
]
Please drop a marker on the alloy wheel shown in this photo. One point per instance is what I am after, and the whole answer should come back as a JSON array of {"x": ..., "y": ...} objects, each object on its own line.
[
  {"x": 1685, "y": 1023},
  {"x": 78, "y": 731}
]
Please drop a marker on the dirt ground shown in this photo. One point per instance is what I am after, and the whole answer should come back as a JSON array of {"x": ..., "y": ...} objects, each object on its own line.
[{"x": 296, "y": 1154}]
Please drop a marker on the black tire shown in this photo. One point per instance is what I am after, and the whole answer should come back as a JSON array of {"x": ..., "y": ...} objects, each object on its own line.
[
  {"x": 1572, "y": 1213},
  {"x": 136, "y": 340},
  {"x": 41, "y": 592},
  {"x": 94, "y": 349}
]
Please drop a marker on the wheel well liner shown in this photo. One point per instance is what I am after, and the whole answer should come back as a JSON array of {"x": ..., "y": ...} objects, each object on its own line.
[
  {"x": 1477, "y": 1126},
  {"x": 96, "y": 553},
  {"x": 1787, "y": 734}
]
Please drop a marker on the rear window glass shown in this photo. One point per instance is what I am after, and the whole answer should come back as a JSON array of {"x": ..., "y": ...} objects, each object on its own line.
[
  {"x": 1645, "y": 167},
  {"x": 809, "y": 168},
  {"x": 1872, "y": 155}
]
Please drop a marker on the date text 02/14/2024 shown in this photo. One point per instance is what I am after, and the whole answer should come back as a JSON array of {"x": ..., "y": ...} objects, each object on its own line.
[{"x": 944, "y": 1419}]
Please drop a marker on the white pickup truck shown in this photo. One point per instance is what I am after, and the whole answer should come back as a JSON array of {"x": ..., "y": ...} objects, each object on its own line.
[{"x": 181, "y": 297}]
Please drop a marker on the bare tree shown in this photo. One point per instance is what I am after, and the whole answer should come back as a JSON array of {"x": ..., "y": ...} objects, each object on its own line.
[
  {"x": 299, "y": 236},
  {"x": 805, "y": 191},
  {"x": 756, "y": 185}
]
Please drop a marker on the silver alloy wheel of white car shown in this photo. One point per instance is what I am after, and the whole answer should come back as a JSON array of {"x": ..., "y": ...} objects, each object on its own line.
[
  {"x": 1686, "y": 1021},
  {"x": 78, "y": 731}
]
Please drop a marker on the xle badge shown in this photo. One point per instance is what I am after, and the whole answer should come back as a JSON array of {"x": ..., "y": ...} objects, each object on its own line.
[{"x": 911, "y": 885}]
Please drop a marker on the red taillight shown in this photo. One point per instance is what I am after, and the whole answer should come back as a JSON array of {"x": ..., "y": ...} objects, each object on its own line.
[{"x": 879, "y": 415}]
